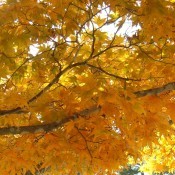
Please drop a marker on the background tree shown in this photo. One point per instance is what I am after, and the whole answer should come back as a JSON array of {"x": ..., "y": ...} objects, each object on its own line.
[
  {"x": 131, "y": 170},
  {"x": 80, "y": 91}
]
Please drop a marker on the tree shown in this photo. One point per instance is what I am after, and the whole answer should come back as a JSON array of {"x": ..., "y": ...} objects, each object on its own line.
[
  {"x": 131, "y": 170},
  {"x": 80, "y": 90}
]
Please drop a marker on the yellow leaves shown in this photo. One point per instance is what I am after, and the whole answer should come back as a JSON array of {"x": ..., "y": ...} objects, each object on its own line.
[
  {"x": 120, "y": 124},
  {"x": 170, "y": 109},
  {"x": 100, "y": 38},
  {"x": 13, "y": 99},
  {"x": 154, "y": 103},
  {"x": 109, "y": 102},
  {"x": 99, "y": 21},
  {"x": 109, "y": 109},
  {"x": 138, "y": 108},
  {"x": 11, "y": 158},
  {"x": 69, "y": 126},
  {"x": 158, "y": 159},
  {"x": 157, "y": 12},
  {"x": 113, "y": 16}
]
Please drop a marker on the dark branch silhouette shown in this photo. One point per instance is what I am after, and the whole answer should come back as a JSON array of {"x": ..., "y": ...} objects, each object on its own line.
[
  {"x": 142, "y": 93},
  {"x": 54, "y": 125},
  {"x": 47, "y": 127},
  {"x": 156, "y": 91}
]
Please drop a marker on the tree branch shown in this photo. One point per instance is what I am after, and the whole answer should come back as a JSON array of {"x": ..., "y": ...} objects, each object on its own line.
[
  {"x": 142, "y": 93},
  {"x": 56, "y": 79},
  {"x": 156, "y": 91},
  {"x": 86, "y": 142},
  {"x": 19, "y": 110},
  {"x": 51, "y": 126},
  {"x": 112, "y": 75},
  {"x": 47, "y": 127}
]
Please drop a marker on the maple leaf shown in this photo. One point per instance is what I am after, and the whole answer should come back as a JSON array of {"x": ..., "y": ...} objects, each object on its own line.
[{"x": 79, "y": 92}]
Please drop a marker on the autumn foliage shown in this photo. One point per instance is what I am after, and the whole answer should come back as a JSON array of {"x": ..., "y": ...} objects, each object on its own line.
[{"x": 86, "y": 86}]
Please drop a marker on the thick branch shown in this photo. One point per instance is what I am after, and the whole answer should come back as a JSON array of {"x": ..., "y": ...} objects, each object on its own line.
[
  {"x": 51, "y": 126},
  {"x": 47, "y": 127},
  {"x": 11, "y": 111},
  {"x": 142, "y": 93},
  {"x": 156, "y": 91}
]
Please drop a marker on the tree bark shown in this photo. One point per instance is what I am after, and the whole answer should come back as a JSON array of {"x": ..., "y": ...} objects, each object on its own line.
[
  {"x": 54, "y": 125},
  {"x": 47, "y": 127}
]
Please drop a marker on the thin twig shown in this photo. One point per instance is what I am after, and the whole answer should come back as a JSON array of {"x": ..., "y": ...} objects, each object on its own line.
[{"x": 86, "y": 142}]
